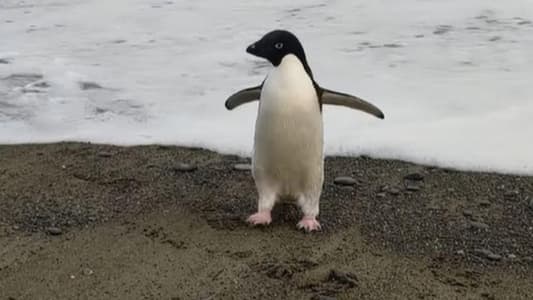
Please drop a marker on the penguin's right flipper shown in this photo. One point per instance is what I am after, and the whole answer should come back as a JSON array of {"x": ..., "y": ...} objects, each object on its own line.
[{"x": 244, "y": 96}]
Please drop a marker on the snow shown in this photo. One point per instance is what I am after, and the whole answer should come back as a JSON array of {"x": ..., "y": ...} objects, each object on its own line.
[{"x": 453, "y": 77}]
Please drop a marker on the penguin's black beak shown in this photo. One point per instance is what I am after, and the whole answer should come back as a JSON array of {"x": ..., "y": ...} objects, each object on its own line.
[{"x": 253, "y": 49}]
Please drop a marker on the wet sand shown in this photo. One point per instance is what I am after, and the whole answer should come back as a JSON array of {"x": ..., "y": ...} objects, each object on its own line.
[{"x": 84, "y": 221}]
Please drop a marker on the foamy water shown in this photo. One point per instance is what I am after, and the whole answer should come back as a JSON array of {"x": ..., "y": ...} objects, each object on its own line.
[{"x": 454, "y": 78}]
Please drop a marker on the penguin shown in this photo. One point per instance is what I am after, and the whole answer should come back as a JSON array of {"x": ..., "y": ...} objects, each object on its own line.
[{"x": 288, "y": 152}]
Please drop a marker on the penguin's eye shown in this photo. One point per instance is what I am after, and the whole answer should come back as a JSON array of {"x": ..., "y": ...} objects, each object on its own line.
[{"x": 278, "y": 45}]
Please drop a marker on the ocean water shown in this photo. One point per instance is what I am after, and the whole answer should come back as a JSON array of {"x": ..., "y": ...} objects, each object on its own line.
[{"x": 454, "y": 78}]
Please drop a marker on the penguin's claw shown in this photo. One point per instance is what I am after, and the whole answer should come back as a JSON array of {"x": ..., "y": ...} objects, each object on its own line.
[
  {"x": 260, "y": 218},
  {"x": 309, "y": 224}
]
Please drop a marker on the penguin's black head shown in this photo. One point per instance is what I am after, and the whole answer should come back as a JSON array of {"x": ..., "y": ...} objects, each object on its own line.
[{"x": 275, "y": 45}]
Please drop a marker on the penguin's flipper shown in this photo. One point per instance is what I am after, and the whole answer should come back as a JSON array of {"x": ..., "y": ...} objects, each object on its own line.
[
  {"x": 244, "y": 96},
  {"x": 336, "y": 98}
]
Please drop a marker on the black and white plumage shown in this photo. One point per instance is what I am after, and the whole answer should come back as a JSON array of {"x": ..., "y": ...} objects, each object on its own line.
[{"x": 288, "y": 157}]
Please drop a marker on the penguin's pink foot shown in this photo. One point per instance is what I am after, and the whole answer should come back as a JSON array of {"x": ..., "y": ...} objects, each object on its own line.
[
  {"x": 308, "y": 224},
  {"x": 260, "y": 218}
]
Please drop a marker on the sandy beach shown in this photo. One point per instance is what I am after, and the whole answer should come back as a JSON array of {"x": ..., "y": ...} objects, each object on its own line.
[{"x": 85, "y": 221}]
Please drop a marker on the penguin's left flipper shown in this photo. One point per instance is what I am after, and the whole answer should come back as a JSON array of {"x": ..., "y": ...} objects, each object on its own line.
[
  {"x": 244, "y": 96},
  {"x": 336, "y": 98}
]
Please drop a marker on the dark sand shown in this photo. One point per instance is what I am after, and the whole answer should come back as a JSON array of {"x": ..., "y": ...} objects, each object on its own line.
[{"x": 130, "y": 226}]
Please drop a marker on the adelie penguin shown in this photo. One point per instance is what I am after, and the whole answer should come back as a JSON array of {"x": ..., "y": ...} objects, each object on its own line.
[{"x": 288, "y": 155}]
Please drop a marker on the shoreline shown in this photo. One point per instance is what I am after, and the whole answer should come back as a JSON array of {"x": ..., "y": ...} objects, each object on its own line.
[{"x": 397, "y": 217}]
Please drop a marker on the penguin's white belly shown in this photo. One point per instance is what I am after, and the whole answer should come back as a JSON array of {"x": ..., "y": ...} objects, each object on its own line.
[{"x": 288, "y": 143}]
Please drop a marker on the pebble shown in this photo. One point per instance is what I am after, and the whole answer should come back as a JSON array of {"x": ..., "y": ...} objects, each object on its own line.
[
  {"x": 461, "y": 252},
  {"x": 467, "y": 213},
  {"x": 87, "y": 272},
  {"x": 411, "y": 186},
  {"x": 242, "y": 167},
  {"x": 184, "y": 167},
  {"x": 322, "y": 297},
  {"x": 42, "y": 84},
  {"x": 479, "y": 225},
  {"x": 394, "y": 191},
  {"x": 104, "y": 154},
  {"x": 511, "y": 195},
  {"x": 484, "y": 203},
  {"x": 530, "y": 203},
  {"x": 89, "y": 86},
  {"x": 345, "y": 180},
  {"x": 347, "y": 188},
  {"x": 487, "y": 254},
  {"x": 348, "y": 279},
  {"x": 511, "y": 256},
  {"x": 381, "y": 195},
  {"x": 392, "y": 45},
  {"x": 52, "y": 230},
  {"x": 414, "y": 176},
  {"x": 442, "y": 29},
  {"x": 4, "y": 61}
]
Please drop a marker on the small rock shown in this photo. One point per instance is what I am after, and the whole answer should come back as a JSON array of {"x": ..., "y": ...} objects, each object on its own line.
[
  {"x": 381, "y": 195},
  {"x": 511, "y": 256},
  {"x": 322, "y": 297},
  {"x": 184, "y": 167},
  {"x": 467, "y": 213},
  {"x": 495, "y": 38},
  {"x": 42, "y": 84},
  {"x": 414, "y": 176},
  {"x": 511, "y": 195},
  {"x": 87, "y": 272},
  {"x": 86, "y": 85},
  {"x": 495, "y": 257},
  {"x": 484, "y": 203},
  {"x": 345, "y": 180},
  {"x": 4, "y": 61},
  {"x": 442, "y": 29},
  {"x": 479, "y": 225},
  {"x": 412, "y": 186},
  {"x": 242, "y": 167},
  {"x": 104, "y": 154},
  {"x": 451, "y": 190},
  {"x": 345, "y": 278},
  {"x": 392, "y": 45},
  {"x": 347, "y": 188},
  {"x": 52, "y": 230},
  {"x": 460, "y": 252},
  {"x": 394, "y": 191},
  {"x": 485, "y": 253}
]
